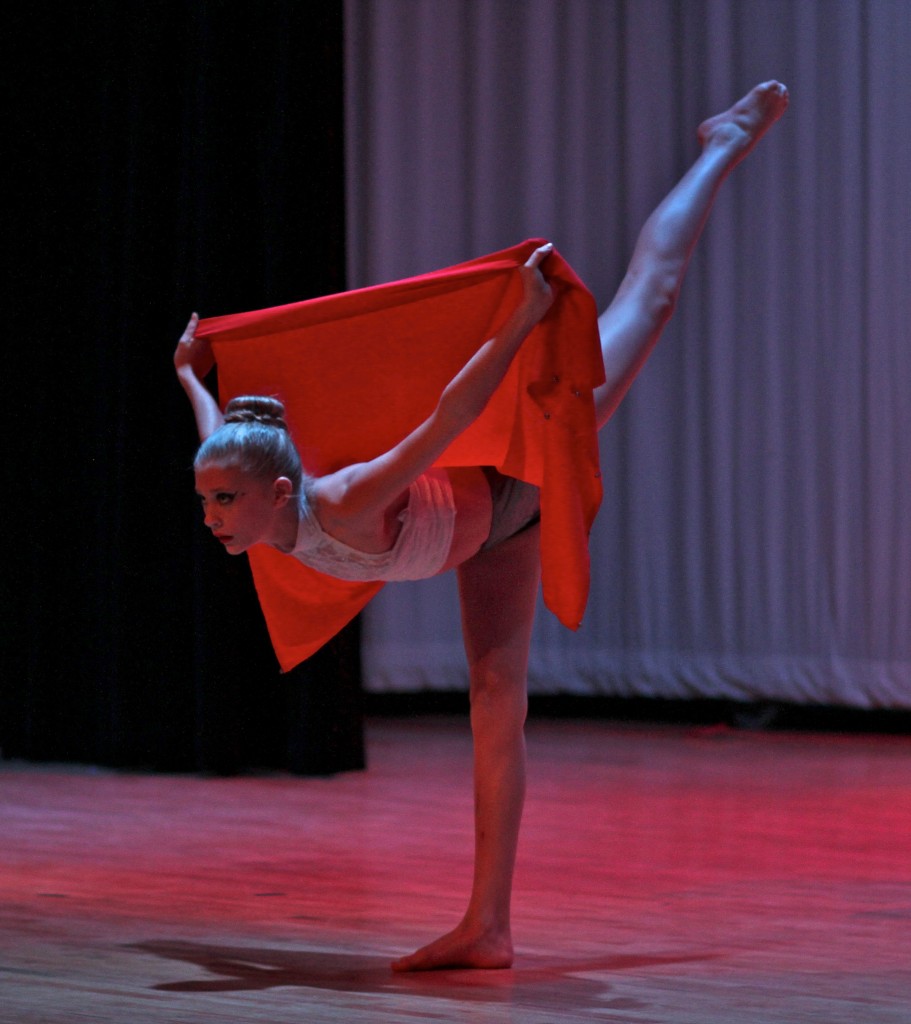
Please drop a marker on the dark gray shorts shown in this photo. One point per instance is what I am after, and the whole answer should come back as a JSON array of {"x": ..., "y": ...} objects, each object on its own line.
[{"x": 516, "y": 506}]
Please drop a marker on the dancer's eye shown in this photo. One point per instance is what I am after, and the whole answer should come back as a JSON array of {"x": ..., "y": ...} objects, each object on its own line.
[{"x": 225, "y": 497}]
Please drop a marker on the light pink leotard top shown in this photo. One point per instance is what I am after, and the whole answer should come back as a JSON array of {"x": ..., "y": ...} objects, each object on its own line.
[{"x": 420, "y": 550}]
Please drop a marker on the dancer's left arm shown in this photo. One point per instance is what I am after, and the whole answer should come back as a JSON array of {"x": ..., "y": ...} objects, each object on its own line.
[{"x": 367, "y": 488}]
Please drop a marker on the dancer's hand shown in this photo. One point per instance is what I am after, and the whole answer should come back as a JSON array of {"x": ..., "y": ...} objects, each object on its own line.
[
  {"x": 538, "y": 293},
  {"x": 192, "y": 352}
]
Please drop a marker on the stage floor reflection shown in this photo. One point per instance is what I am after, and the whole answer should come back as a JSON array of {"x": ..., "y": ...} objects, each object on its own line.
[{"x": 665, "y": 875}]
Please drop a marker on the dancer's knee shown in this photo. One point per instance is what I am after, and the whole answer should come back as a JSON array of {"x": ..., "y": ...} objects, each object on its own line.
[
  {"x": 499, "y": 694},
  {"x": 643, "y": 305},
  {"x": 656, "y": 291}
]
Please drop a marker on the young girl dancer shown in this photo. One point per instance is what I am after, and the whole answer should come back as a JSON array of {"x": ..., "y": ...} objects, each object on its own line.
[{"x": 396, "y": 517}]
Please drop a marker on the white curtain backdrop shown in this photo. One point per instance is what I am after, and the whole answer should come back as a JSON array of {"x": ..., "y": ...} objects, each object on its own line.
[{"x": 755, "y": 539}]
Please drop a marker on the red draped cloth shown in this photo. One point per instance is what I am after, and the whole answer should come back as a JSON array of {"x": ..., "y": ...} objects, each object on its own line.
[{"x": 358, "y": 371}]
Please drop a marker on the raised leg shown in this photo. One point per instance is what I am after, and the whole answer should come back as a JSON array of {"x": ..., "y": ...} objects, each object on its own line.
[
  {"x": 497, "y": 590},
  {"x": 498, "y": 587},
  {"x": 633, "y": 322}
]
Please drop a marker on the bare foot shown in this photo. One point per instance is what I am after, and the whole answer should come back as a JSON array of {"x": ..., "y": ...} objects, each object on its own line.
[
  {"x": 743, "y": 125},
  {"x": 459, "y": 948}
]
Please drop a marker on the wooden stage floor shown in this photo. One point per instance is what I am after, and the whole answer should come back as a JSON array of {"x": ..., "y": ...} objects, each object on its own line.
[{"x": 665, "y": 875}]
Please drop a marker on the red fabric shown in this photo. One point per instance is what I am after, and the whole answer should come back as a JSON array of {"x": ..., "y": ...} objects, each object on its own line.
[{"x": 358, "y": 371}]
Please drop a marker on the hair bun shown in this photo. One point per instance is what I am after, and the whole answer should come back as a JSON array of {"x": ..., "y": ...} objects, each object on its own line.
[{"x": 256, "y": 409}]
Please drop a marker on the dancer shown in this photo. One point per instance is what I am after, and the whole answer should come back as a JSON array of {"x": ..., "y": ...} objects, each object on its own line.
[{"x": 396, "y": 517}]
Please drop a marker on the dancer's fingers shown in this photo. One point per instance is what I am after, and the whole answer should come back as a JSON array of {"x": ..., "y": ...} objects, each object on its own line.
[
  {"x": 190, "y": 330},
  {"x": 539, "y": 255}
]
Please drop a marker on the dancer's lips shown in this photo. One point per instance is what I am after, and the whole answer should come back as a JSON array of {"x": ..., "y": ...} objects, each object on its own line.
[{"x": 224, "y": 538}]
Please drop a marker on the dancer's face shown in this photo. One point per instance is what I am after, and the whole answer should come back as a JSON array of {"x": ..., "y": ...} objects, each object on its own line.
[{"x": 239, "y": 509}]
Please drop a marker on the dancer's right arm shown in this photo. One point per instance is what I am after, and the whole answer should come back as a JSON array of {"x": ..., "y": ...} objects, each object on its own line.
[{"x": 193, "y": 360}]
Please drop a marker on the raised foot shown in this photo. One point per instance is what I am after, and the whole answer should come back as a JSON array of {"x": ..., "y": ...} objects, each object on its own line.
[
  {"x": 744, "y": 124},
  {"x": 459, "y": 949}
]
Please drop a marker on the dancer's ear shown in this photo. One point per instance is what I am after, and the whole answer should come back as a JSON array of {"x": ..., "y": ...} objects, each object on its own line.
[{"x": 283, "y": 489}]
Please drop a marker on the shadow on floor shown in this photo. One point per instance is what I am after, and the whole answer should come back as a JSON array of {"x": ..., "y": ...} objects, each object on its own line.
[{"x": 544, "y": 985}]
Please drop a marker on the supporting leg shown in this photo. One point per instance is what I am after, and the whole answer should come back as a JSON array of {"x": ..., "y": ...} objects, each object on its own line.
[
  {"x": 633, "y": 322},
  {"x": 497, "y": 589}
]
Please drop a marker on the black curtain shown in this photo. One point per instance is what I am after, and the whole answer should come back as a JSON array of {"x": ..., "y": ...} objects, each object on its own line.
[{"x": 165, "y": 157}]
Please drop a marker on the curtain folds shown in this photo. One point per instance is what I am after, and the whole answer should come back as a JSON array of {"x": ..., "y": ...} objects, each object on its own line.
[{"x": 755, "y": 538}]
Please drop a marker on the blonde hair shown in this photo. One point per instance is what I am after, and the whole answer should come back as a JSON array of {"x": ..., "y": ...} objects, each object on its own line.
[{"x": 255, "y": 439}]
